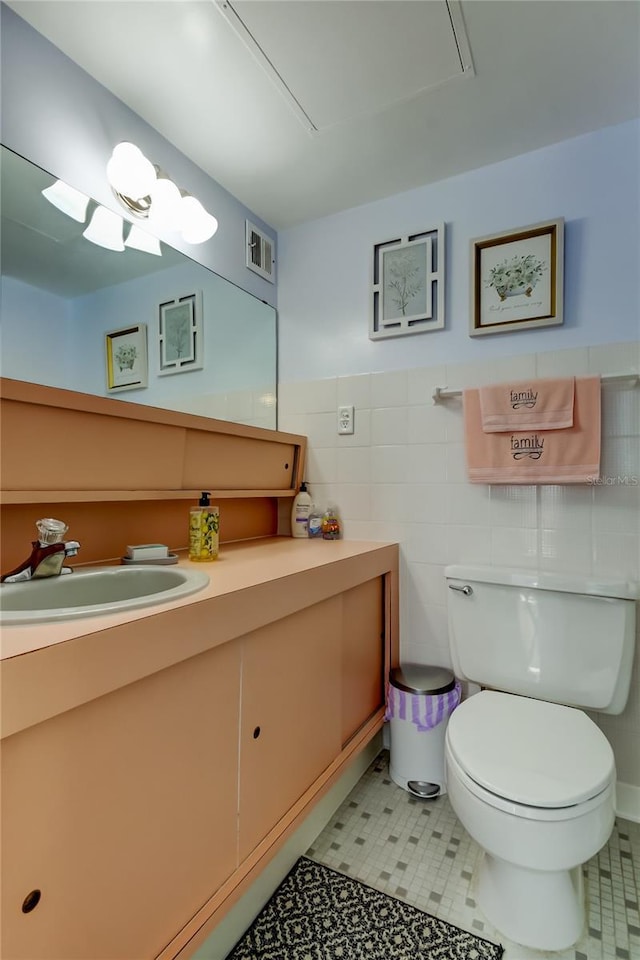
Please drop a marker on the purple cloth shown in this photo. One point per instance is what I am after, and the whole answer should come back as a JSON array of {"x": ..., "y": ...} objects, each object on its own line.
[{"x": 424, "y": 709}]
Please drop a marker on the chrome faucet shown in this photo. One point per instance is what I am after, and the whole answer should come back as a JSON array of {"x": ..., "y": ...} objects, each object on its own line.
[{"x": 48, "y": 554}]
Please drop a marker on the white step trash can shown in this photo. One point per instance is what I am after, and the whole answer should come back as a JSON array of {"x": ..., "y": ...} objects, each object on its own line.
[{"x": 420, "y": 701}]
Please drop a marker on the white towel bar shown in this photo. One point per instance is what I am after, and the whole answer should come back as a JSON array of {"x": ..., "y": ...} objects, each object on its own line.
[{"x": 443, "y": 393}]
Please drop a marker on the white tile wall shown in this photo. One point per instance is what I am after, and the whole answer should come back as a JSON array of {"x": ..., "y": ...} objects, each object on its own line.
[
  {"x": 566, "y": 363},
  {"x": 252, "y": 407},
  {"x": 355, "y": 390},
  {"x": 401, "y": 476},
  {"x": 389, "y": 389}
]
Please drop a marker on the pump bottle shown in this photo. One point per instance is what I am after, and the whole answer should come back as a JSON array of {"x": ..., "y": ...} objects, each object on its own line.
[
  {"x": 204, "y": 526},
  {"x": 300, "y": 513}
]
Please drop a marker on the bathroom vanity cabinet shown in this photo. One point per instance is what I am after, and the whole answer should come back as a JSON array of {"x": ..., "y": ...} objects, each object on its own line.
[{"x": 153, "y": 764}]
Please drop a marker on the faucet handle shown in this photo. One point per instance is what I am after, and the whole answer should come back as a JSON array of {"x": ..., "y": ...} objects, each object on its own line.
[
  {"x": 51, "y": 531},
  {"x": 71, "y": 548}
]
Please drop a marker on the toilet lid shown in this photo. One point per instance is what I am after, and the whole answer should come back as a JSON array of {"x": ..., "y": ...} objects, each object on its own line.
[{"x": 530, "y": 751}]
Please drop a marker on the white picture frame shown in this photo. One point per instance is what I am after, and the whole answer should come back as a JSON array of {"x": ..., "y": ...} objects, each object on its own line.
[
  {"x": 409, "y": 284},
  {"x": 180, "y": 334}
]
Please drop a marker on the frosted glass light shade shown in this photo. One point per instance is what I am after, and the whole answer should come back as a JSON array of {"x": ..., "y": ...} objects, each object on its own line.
[
  {"x": 68, "y": 200},
  {"x": 166, "y": 205},
  {"x": 129, "y": 172},
  {"x": 105, "y": 229},
  {"x": 146, "y": 192},
  {"x": 197, "y": 224},
  {"x": 140, "y": 240}
]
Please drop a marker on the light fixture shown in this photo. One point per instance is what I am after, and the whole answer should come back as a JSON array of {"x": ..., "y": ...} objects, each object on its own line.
[
  {"x": 165, "y": 212},
  {"x": 197, "y": 224},
  {"x": 140, "y": 240},
  {"x": 68, "y": 200},
  {"x": 147, "y": 192},
  {"x": 105, "y": 229},
  {"x": 131, "y": 177}
]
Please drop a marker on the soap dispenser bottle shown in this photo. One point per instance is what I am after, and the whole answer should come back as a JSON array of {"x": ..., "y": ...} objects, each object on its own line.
[
  {"x": 314, "y": 527},
  {"x": 300, "y": 512},
  {"x": 204, "y": 527}
]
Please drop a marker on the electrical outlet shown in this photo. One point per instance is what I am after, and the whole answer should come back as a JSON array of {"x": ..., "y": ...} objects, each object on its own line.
[{"x": 345, "y": 419}]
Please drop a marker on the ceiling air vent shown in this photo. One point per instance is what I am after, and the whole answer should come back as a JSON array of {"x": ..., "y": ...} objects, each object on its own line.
[{"x": 260, "y": 257}]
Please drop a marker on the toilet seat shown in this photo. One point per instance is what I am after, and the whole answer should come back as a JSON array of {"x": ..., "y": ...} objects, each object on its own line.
[{"x": 530, "y": 752}]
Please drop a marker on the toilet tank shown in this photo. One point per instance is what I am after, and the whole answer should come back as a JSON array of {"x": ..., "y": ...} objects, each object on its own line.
[{"x": 567, "y": 639}]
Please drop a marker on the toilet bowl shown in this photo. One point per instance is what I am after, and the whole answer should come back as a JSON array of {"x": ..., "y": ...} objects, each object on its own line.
[
  {"x": 534, "y": 784},
  {"x": 529, "y": 775}
]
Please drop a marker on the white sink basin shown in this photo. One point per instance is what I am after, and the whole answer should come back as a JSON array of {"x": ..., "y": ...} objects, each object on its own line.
[{"x": 95, "y": 591}]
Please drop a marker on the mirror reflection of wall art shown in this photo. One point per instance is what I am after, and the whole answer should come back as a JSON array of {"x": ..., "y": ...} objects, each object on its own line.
[
  {"x": 516, "y": 280},
  {"x": 180, "y": 334},
  {"x": 126, "y": 356},
  {"x": 408, "y": 285}
]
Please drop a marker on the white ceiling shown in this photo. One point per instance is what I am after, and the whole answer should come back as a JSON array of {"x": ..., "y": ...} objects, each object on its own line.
[{"x": 387, "y": 84}]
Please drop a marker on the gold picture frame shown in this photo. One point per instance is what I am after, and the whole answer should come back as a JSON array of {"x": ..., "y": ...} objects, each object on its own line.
[
  {"x": 517, "y": 279},
  {"x": 126, "y": 358}
]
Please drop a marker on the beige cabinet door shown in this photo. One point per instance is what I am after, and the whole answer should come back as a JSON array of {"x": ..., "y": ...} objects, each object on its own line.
[
  {"x": 290, "y": 717},
  {"x": 123, "y": 814},
  {"x": 362, "y": 654}
]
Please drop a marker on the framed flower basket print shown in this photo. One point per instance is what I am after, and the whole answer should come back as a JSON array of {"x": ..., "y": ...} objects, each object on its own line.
[
  {"x": 408, "y": 285},
  {"x": 517, "y": 279},
  {"x": 180, "y": 338},
  {"x": 126, "y": 358}
]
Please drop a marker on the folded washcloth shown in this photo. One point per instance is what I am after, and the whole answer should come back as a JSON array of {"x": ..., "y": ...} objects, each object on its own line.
[
  {"x": 528, "y": 405},
  {"x": 571, "y": 455}
]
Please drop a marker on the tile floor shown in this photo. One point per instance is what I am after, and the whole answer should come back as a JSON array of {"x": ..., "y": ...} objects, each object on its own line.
[{"x": 416, "y": 850}]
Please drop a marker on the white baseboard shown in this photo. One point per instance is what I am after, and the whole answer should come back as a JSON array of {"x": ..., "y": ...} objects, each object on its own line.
[
  {"x": 628, "y": 801},
  {"x": 233, "y": 925}
]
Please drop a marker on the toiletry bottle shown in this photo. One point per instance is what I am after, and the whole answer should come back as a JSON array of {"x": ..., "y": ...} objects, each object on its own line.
[
  {"x": 204, "y": 525},
  {"x": 331, "y": 524},
  {"x": 300, "y": 512},
  {"x": 315, "y": 522}
]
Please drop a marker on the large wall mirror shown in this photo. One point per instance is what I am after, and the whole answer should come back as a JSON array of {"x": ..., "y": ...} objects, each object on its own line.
[{"x": 64, "y": 296}]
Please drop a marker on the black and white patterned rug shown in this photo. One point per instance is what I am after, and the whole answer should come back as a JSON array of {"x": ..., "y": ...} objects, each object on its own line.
[{"x": 319, "y": 914}]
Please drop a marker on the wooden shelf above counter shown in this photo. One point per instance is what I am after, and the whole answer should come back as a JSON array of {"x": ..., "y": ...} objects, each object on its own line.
[
  {"x": 113, "y": 462},
  {"x": 58, "y": 441}
]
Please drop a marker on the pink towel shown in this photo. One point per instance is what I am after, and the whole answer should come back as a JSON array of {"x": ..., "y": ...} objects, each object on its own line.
[
  {"x": 528, "y": 405},
  {"x": 571, "y": 455}
]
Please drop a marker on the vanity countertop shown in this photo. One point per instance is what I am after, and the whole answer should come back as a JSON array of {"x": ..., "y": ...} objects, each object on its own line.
[
  {"x": 50, "y": 668},
  {"x": 240, "y": 566}
]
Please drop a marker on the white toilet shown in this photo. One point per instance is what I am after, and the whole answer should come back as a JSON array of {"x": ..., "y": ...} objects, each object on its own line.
[{"x": 530, "y": 777}]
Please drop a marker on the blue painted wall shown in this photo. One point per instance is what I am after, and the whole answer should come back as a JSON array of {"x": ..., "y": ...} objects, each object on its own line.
[
  {"x": 325, "y": 266},
  {"x": 36, "y": 335}
]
